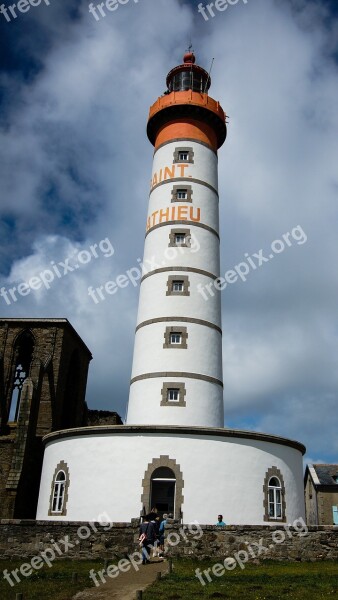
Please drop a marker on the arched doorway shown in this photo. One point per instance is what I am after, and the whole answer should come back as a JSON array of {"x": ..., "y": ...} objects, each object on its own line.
[
  {"x": 162, "y": 490},
  {"x": 163, "y": 485}
]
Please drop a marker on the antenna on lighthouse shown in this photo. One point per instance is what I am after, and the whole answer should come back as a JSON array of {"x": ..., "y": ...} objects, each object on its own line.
[
  {"x": 191, "y": 51},
  {"x": 209, "y": 74}
]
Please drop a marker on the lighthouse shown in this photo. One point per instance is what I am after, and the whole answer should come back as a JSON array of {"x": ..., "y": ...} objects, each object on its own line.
[
  {"x": 173, "y": 452},
  {"x": 177, "y": 365}
]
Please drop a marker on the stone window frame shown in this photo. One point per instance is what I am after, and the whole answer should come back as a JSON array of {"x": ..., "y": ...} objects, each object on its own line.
[
  {"x": 189, "y": 150},
  {"x": 172, "y": 241},
  {"x": 183, "y": 331},
  {"x": 186, "y": 285},
  {"x": 176, "y": 188},
  {"x": 163, "y": 461},
  {"x": 62, "y": 466},
  {"x": 274, "y": 472},
  {"x": 182, "y": 393}
]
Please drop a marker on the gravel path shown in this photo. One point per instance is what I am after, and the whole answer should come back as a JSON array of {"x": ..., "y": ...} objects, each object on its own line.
[{"x": 125, "y": 586}]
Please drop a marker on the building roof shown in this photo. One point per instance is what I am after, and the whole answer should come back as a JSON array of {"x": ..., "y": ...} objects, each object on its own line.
[
  {"x": 324, "y": 474},
  {"x": 45, "y": 321},
  {"x": 138, "y": 430}
]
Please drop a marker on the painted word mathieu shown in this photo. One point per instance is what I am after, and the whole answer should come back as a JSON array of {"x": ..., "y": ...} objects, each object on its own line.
[{"x": 174, "y": 213}]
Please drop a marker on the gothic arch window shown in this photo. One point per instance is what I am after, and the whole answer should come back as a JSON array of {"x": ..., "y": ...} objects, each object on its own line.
[
  {"x": 274, "y": 496},
  {"x": 163, "y": 486},
  {"x": 23, "y": 354},
  {"x": 59, "y": 491}
]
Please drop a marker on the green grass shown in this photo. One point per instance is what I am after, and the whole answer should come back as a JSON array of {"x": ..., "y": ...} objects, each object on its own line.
[
  {"x": 267, "y": 581},
  {"x": 53, "y": 583}
]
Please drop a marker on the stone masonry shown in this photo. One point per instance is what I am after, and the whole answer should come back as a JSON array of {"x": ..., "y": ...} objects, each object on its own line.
[{"x": 25, "y": 539}]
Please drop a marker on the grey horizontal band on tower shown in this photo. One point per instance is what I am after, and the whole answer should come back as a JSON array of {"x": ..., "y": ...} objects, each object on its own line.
[
  {"x": 180, "y": 269},
  {"x": 182, "y": 141},
  {"x": 187, "y": 180},
  {"x": 181, "y": 222},
  {"x": 179, "y": 320},
  {"x": 175, "y": 374}
]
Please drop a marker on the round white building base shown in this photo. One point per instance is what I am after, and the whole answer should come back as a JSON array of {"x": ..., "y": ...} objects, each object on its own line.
[{"x": 194, "y": 472}]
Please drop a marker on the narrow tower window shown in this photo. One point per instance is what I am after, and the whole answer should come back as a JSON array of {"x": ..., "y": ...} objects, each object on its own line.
[
  {"x": 181, "y": 194},
  {"x": 173, "y": 394},
  {"x": 180, "y": 237},
  {"x": 184, "y": 155},
  {"x": 178, "y": 286},
  {"x": 175, "y": 338}
]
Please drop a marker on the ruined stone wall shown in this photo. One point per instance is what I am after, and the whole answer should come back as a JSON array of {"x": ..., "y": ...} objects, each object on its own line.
[
  {"x": 102, "y": 417},
  {"x": 6, "y": 455}
]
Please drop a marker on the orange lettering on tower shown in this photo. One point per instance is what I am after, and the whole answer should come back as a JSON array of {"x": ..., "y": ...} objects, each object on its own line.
[
  {"x": 164, "y": 215},
  {"x": 169, "y": 173},
  {"x": 182, "y": 213},
  {"x": 198, "y": 215},
  {"x": 183, "y": 167}
]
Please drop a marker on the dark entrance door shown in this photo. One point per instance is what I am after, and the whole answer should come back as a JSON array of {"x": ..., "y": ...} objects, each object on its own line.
[{"x": 162, "y": 494}]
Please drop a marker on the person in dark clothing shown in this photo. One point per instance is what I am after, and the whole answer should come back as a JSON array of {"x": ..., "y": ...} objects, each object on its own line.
[
  {"x": 157, "y": 523},
  {"x": 161, "y": 534},
  {"x": 147, "y": 538}
]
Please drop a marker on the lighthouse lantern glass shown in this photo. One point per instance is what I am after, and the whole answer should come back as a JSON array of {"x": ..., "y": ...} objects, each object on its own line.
[{"x": 188, "y": 80}]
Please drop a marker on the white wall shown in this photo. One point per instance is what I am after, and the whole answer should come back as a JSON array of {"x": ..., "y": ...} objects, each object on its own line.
[
  {"x": 221, "y": 475},
  {"x": 150, "y": 356},
  {"x": 155, "y": 303},
  {"x": 202, "y": 398}
]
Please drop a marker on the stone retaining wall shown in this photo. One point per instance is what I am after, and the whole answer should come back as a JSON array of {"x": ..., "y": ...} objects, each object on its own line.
[
  {"x": 25, "y": 539},
  {"x": 299, "y": 543}
]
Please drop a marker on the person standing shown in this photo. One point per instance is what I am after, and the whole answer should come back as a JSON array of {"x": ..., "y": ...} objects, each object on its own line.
[
  {"x": 161, "y": 534},
  {"x": 147, "y": 538},
  {"x": 220, "y": 522}
]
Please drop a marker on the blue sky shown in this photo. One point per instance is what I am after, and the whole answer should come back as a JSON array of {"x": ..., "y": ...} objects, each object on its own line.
[{"x": 75, "y": 169}]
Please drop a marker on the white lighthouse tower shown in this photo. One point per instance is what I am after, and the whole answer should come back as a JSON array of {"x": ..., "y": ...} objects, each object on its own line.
[
  {"x": 177, "y": 367},
  {"x": 174, "y": 453}
]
